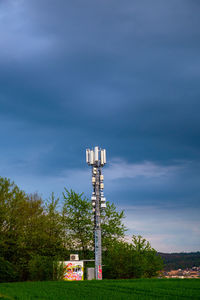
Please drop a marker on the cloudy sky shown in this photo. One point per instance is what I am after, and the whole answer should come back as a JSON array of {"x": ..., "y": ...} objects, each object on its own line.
[{"x": 124, "y": 75}]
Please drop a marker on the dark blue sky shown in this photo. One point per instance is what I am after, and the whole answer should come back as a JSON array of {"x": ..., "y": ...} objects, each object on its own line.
[{"x": 123, "y": 75}]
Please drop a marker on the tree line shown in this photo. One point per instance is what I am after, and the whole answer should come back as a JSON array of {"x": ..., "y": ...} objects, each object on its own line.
[
  {"x": 34, "y": 233},
  {"x": 174, "y": 261}
]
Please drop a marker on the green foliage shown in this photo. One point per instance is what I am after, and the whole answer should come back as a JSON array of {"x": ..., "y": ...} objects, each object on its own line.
[
  {"x": 54, "y": 229},
  {"x": 117, "y": 260},
  {"x": 112, "y": 227},
  {"x": 12, "y": 204},
  {"x": 41, "y": 268},
  {"x": 28, "y": 228},
  {"x": 77, "y": 219},
  {"x": 58, "y": 270},
  {"x": 148, "y": 262},
  {"x": 7, "y": 271},
  {"x": 154, "y": 264},
  {"x": 180, "y": 260},
  {"x": 140, "y": 245},
  {"x": 136, "y": 260},
  {"x": 79, "y": 223},
  {"x": 34, "y": 233}
]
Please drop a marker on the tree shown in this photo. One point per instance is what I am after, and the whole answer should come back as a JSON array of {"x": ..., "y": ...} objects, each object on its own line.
[
  {"x": 112, "y": 227},
  {"x": 147, "y": 261},
  {"x": 54, "y": 228},
  {"x": 117, "y": 260},
  {"x": 34, "y": 233},
  {"x": 140, "y": 244},
  {"x": 28, "y": 229},
  {"x": 7, "y": 271},
  {"x": 79, "y": 221},
  {"x": 135, "y": 260},
  {"x": 12, "y": 207}
]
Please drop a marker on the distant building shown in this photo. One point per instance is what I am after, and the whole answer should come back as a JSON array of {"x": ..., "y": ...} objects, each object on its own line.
[{"x": 187, "y": 273}]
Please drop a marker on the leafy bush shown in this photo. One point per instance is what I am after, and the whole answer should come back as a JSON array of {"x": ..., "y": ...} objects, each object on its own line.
[
  {"x": 136, "y": 260},
  {"x": 58, "y": 270},
  {"x": 40, "y": 268},
  {"x": 7, "y": 271}
]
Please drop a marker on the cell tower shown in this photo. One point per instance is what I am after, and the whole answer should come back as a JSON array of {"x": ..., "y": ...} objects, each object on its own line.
[{"x": 97, "y": 159}]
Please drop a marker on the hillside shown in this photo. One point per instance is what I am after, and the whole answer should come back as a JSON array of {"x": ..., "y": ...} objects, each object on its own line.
[{"x": 180, "y": 260}]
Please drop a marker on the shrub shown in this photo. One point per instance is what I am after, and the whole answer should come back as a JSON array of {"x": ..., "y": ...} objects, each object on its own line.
[
  {"x": 7, "y": 271},
  {"x": 40, "y": 268}
]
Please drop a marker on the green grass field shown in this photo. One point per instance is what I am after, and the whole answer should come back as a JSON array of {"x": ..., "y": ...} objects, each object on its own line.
[{"x": 141, "y": 289}]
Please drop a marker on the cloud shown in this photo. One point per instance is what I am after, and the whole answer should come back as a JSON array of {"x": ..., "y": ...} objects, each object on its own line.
[
  {"x": 121, "y": 169},
  {"x": 168, "y": 228},
  {"x": 120, "y": 75},
  {"x": 18, "y": 39}
]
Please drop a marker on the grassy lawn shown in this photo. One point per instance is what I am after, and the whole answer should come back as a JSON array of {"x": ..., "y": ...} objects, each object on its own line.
[{"x": 141, "y": 289}]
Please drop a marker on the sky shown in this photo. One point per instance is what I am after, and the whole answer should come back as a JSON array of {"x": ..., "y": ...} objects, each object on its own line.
[{"x": 123, "y": 75}]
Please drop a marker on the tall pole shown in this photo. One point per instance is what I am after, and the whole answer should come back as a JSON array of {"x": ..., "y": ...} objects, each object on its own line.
[
  {"x": 97, "y": 159},
  {"x": 97, "y": 230}
]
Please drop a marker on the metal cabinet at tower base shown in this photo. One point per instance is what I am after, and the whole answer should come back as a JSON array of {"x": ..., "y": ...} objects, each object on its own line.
[{"x": 90, "y": 273}]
